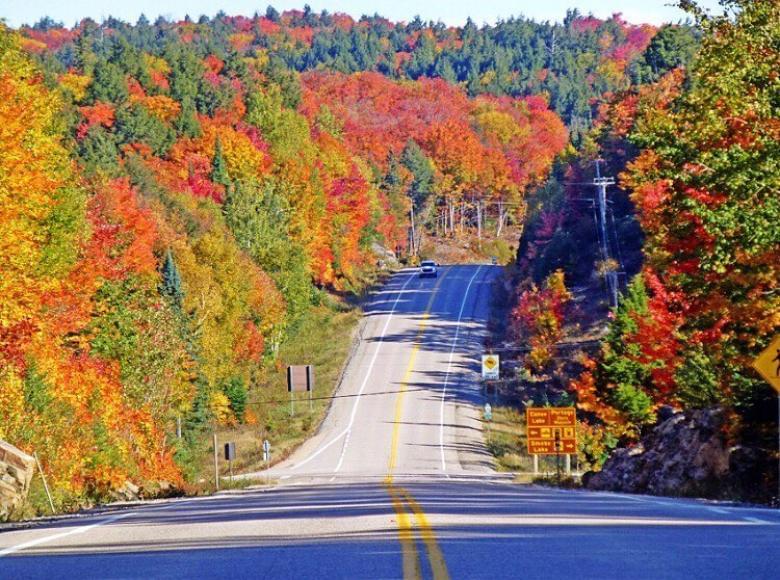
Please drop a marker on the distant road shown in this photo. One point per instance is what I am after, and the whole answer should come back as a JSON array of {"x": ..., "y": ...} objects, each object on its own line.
[{"x": 398, "y": 484}]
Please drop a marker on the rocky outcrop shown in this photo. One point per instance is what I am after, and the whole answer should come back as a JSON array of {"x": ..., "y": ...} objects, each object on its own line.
[
  {"x": 16, "y": 473},
  {"x": 686, "y": 454}
]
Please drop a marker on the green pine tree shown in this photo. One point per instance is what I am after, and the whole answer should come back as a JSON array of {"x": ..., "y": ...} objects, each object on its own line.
[
  {"x": 171, "y": 280},
  {"x": 219, "y": 171}
]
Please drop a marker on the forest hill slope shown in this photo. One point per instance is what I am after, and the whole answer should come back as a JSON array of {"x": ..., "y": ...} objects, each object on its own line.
[{"x": 172, "y": 205}]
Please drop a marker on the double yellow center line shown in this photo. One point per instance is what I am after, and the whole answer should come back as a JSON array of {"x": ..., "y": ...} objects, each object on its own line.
[{"x": 403, "y": 502}]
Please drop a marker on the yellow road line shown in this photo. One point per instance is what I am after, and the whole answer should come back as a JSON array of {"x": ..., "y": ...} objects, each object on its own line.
[
  {"x": 400, "y": 496},
  {"x": 399, "y": 406},
  {"x": 435, "y": 555},
  {"x": 411, "y": 558}
]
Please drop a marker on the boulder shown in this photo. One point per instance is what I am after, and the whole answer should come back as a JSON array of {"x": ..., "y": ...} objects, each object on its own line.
[
  {"x": 685, "y": 454},
  {"x": 16, "y": 473}
]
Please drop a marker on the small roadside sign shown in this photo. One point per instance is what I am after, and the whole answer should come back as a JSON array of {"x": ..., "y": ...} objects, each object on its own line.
[
  {"x": 488, "y": 413},
  {"x": 491, "y": 366},
  {"x": 768, "y": 364},
  {"x": 300, "y": 378},
  {"x": 266, "y": 450}
]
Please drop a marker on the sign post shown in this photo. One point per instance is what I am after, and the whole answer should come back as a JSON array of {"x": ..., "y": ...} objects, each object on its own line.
[
  {"x": 230, "y": 455},
  {"x": 768, "y": 366},
  {"x": 551, "y": 431},
  {"x": 216, "y": 462},
  {"x": 300, "y": 378},
  {"x": 267, "y": 459}
]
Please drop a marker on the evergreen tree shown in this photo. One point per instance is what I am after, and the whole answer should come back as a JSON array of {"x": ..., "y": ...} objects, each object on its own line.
[
  {"x": 415, "y": 160},
  {"x": 272, "y": 14},
  {"x": 219, "y": 171},
  {"x": 171, "y": 280},
  {"x": 187, "y": 124}
]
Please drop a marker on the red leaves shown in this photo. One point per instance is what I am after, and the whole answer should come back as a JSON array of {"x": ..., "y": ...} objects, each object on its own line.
[
  {"x": 98, "y": 114},
  {"x": 539, "y": 318},
  {"x": 251, "y": 345},
  {"x": 123, "y": 233},
  {"x": 213, "y": 64}
]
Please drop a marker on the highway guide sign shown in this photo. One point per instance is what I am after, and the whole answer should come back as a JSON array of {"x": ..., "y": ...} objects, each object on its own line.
[
  {"x": 551, "y": 430},
  {"x": 490, "y": 366},
  {"x": 768, "y": 364}
]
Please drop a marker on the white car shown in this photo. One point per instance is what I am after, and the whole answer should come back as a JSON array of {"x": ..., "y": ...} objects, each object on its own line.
[{"x": 428, "y": 269}]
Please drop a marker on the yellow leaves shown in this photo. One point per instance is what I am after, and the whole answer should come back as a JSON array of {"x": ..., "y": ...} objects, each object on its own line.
[
  {"x": 11, "y": 403},
  {"x": 245, "y": 162},
  {"x": 156, "y": 64},
  {"x": 161, "y": 106},
  {"x": 500, "y": 126},
  {"x": 75, "y": 84},
  {"x": 33, "y": 167},
  {"x": 241, "y": 40},
  {"x": 219, "y": 405}
]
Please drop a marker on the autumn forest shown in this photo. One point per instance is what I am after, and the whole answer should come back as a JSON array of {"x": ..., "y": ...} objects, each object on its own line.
[{"x": 175, "y": 198}]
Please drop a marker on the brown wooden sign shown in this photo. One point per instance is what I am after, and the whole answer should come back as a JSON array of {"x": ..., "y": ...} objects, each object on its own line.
[
  {"x": 300, "y": 378},
  {"x": 551, "y": 431}
]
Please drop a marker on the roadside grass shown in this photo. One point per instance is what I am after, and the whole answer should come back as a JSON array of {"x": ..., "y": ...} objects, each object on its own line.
[
  {"x": 324, "y": 339},
  {"x": 505, "y": 437}
]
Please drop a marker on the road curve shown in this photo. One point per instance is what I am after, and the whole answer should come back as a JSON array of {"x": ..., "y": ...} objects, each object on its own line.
[
  {"x": 407, "y": 402},
  {"x": 397, "y": 484}
]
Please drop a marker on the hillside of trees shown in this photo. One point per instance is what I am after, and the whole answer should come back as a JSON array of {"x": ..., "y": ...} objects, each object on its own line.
[
  {"x": 174, "y": 199},
  {"x": 696, "y": 212}
]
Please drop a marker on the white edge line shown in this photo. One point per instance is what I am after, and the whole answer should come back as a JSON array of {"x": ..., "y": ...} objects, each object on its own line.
[
  {"x": 348, "y": 430},
  {"x": 758, "y": 521},
  {"x": 71, "y": 532},
  {"x": 447, "y": 374},
  {"x": 81, "y": 529}
]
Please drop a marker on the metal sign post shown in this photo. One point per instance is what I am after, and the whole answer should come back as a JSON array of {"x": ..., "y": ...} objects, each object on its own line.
[
  {"x": 300, "y": 378},
  {"x": 488, "y": 415},
  {"x": 216, "y": 462},
  {"x": 230, "y": 455},
  {"x": 43, "y": 478},
  {"x": 267, "y": 459}
]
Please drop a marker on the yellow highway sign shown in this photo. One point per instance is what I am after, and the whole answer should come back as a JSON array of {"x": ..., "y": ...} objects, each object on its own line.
[
  {"x": 490, "y": 366},
  {"x": 768, "y": 364}
]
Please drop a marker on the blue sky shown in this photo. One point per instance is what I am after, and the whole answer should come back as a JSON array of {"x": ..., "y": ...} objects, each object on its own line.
[{"x": 17, "y": 12}]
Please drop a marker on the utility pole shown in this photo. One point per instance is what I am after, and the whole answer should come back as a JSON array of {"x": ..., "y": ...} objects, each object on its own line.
[
  {"x": 216, "y": 461},
  {"x": 601, "y": 184},
  {"x": 413, "y": 236}
]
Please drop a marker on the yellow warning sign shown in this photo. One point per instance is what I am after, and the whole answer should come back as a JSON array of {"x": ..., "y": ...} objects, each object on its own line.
[
  {"x": 768, "y": 364},
  {"x": 490, "y": 366}
]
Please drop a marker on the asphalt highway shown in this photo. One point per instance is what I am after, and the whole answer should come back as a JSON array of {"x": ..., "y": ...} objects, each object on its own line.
[{"x": 398, "y": 484}]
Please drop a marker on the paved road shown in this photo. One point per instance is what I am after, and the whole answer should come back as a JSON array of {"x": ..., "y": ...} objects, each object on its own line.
[
  {"x": 398, "y": 484},
  {"x": 408, "y": 401}
]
